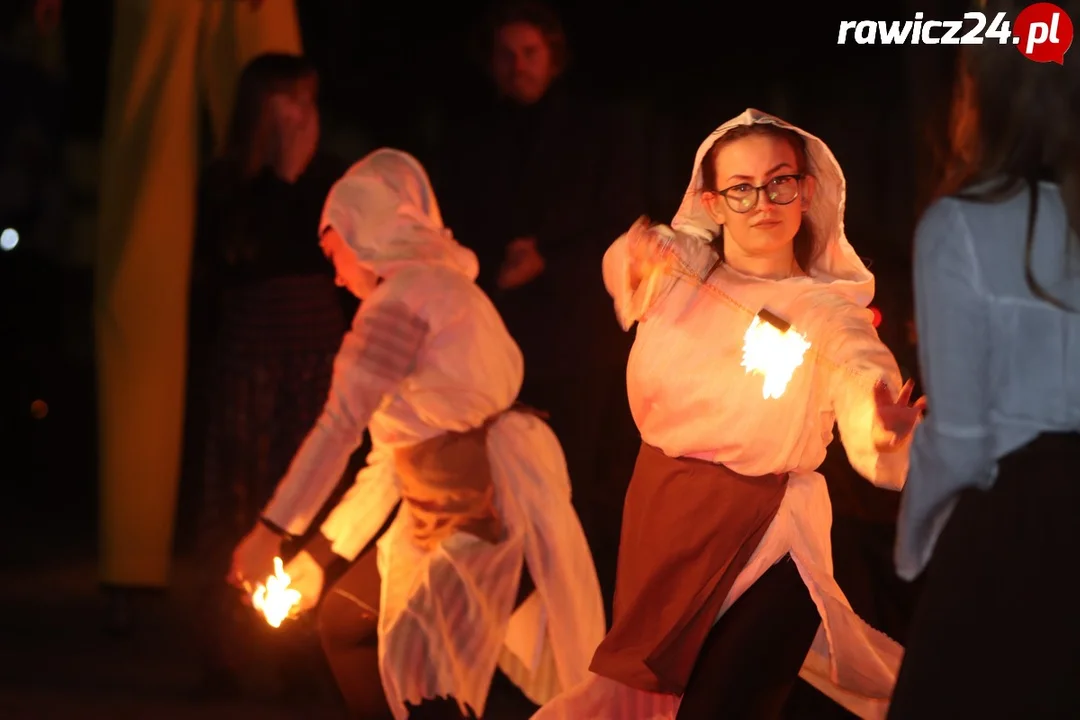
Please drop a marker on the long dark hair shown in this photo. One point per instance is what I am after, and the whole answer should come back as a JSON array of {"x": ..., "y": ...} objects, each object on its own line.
[
  {"x": 804, "y": 245},
  {"x": 1015, "y": 123},
  {"x": 249, "y": 138}
]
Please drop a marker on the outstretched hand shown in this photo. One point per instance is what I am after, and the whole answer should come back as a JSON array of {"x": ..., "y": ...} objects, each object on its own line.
[
  {"x": 896, "y": 419},
  {"x": 649, "y": 250}
]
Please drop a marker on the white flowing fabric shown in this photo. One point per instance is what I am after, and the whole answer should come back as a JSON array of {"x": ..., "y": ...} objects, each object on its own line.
[
  {"x": 691, "y": 398},
  {"x": 428, "y": 354}
]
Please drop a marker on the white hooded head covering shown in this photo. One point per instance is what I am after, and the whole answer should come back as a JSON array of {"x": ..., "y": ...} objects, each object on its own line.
[
  {"x": 385, "y": 209},
  {"x": 836, "y": 262}
]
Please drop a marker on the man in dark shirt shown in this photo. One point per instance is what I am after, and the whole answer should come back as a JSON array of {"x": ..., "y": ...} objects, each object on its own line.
[{"x": 538, "y": 184}]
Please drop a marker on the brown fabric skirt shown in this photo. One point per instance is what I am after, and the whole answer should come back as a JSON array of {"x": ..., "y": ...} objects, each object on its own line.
[
  {"x": 689, "y": 528},
  {"x": 447, "y": 486}
]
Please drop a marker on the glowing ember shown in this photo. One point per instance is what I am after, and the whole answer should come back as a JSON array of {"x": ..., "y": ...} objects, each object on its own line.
[
  {"x": 774, "y": 353},
  {"x": 276, "y": 600}
]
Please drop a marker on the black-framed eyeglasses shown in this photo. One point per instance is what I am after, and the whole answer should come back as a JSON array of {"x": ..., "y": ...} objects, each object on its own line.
[{"x": 782, "y": 190}]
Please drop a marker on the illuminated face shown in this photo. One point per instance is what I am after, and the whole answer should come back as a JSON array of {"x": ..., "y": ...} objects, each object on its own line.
[
  {"x": 296, "y": 116},
  {"x": 522, "y": 63},
  {"x": 306, "y": 102},
  {"x": 358, "y": 280},
  {"x": 761, "y": 197}
]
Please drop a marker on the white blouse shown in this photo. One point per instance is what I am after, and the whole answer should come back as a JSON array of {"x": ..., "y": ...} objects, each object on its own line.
[{"x": 999, "y": 365}]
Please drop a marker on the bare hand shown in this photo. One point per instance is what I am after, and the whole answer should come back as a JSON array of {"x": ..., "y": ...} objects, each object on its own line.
[
  {"x": 896, "y": 420},
  {"x": 523, "y": 264},
  {"x": 649, "y": 250},
  {"x": 306, "y": 577},
  {"x": 253, "y": 558}
]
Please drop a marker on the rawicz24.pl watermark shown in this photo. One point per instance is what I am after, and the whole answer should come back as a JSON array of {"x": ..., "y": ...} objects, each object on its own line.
[{"x": 1042, "y": 32}]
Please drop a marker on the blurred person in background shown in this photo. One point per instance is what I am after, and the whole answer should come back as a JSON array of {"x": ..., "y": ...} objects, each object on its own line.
[
  {"x": 266, "y": 323},
  {"x": 32, "y": 131},
  {"x": 989, "y": 512},
  {"x": 534, "y": 182},
  {"x": 46, "y": 353}
]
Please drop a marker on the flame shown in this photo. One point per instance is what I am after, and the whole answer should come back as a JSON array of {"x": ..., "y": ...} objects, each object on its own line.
[
  {"x": 773, "y": 353},
  {"x": 275, "y": 599}
]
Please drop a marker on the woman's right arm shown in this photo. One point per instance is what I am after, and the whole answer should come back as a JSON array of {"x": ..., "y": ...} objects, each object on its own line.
[
  {"x": 953, "y": 449},
  {"x": 377, "y": 354},
  {"x": 637, "y": 267}
]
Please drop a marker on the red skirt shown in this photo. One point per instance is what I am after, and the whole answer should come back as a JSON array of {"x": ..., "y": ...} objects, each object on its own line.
[{"x": 689, "y": 528}]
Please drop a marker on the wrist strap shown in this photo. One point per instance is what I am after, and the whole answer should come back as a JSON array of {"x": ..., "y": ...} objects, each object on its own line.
[
  {"x": 321, "y": 551},
  {"x": 276, "y": 529}
]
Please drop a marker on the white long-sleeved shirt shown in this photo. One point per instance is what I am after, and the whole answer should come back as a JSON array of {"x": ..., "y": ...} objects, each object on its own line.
[
  {"x": 428, "y": 354},
  {"x": 691, "y": 397},
  {"x": 999, "y": 365}
]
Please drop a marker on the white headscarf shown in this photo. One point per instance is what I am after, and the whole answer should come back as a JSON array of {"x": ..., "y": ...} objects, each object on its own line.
[
  {"x": 385, "y": 209},
  {"x": 836, "y": 262}
]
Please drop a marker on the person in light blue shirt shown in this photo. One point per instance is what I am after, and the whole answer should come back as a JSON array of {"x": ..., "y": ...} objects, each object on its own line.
[{"x": 989, "y": 512}]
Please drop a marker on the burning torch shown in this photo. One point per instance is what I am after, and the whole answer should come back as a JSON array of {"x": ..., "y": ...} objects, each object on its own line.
[{"x": 274, "y": 598}]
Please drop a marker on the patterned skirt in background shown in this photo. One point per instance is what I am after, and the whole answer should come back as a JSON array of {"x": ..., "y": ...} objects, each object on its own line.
[{"x": 268, "y": 382}]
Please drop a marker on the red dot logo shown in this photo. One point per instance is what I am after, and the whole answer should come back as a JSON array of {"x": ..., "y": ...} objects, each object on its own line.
[{"x": 1043, "y": 33}]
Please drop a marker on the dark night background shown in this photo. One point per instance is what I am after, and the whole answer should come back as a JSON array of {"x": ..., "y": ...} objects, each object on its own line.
[{"x": 391, "y": 71}]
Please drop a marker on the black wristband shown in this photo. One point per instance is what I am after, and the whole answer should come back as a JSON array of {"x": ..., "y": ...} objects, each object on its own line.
[
  {"x": 321, "y": 551},
  {"x": 276, "y": 529}
]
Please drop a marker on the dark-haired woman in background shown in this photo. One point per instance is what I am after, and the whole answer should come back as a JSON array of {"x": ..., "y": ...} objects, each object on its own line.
[
  {"x": 990, "y": 506},
  {"x": 275, "y": 317}
]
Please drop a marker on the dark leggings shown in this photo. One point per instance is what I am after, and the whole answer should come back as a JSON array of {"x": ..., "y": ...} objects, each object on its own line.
[
  {"x": 348, "y": 628},
  {"x": 752, "y": 656},
  {"x": 348, "y": 622},
  {"x": 996, "y": 632}
]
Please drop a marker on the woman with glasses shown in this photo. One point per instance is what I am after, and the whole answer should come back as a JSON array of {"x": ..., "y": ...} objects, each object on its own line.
[{"x": 725, "y": 594}]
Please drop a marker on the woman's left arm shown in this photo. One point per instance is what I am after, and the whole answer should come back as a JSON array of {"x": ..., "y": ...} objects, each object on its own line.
[
  {"x": 953, "y": 449},
  {"x": 862, "y": 367}
]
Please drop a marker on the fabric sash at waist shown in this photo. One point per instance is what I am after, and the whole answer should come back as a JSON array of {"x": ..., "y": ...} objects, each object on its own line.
[{"x": 447, "y": 487}]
